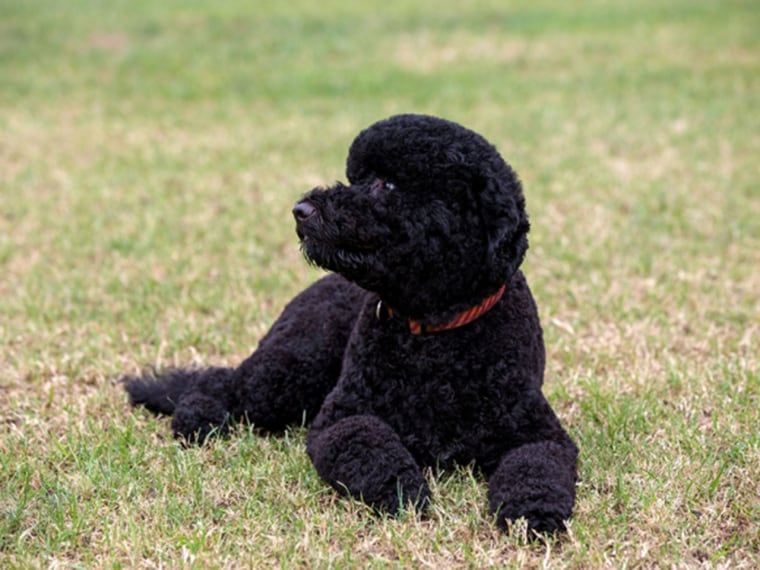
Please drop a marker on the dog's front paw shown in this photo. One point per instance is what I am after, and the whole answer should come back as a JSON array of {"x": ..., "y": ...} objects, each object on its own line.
[
  {"x": 198, "y": 416},
  {"x": 536, "y": 482},
  {"x": 545, "y": 507},
  {"x": 361, "y": 456},
  {"x": 541, "y": 518},
  {"x": 387, "y": 492},
  {"x": 410, "y": 490}
]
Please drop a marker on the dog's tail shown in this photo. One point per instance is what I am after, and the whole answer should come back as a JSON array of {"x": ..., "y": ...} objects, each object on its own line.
[{"x": 159, "y": 392}]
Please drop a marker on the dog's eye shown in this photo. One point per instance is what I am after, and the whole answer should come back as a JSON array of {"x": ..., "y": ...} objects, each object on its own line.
[{"x": 382, "y": 184}]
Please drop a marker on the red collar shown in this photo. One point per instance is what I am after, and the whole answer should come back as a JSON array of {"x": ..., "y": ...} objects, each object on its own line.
[{"x": 471, "y": 314}]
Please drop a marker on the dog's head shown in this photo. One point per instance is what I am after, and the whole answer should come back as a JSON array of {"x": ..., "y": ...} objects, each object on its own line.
[{"x": 433, "y": 218}]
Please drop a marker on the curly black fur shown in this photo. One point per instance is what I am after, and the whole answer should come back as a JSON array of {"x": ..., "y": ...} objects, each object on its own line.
[{"x": 431, "y": 223}]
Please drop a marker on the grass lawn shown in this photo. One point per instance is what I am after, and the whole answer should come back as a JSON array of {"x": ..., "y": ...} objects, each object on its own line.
[{"x": 150, "y": 153}]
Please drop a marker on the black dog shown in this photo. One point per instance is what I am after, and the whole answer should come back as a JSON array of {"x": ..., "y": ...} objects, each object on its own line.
[{"x": 424, "y": 347}]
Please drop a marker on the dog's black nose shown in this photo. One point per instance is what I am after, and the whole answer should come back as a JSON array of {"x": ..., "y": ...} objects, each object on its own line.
[{"x": 303, "y": 211}]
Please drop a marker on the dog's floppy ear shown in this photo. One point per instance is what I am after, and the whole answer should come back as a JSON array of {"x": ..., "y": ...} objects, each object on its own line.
[{"x": 502, "y": 209}]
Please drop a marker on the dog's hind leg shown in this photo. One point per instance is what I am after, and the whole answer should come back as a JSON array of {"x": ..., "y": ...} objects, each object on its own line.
[
  {"x": 160, "y": 392},
  {"x": 282, "y": 383},
  {"x": 297, "y": 363},
  {"x": 194, "y": 397}
]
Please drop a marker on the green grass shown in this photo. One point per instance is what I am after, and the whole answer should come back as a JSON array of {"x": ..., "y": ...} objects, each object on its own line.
[{"x": 150, "y": 153}]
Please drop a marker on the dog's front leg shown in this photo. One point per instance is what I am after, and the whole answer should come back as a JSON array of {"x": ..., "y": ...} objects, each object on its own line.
[
  {"x": 536, "y": 480},
  {"x": 363, "y": 457}
]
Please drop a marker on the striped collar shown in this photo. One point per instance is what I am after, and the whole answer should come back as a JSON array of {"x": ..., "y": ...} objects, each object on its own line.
[{"x": 471, "y": 314}]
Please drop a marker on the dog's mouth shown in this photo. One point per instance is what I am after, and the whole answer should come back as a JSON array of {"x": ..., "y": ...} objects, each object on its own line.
[
  {"x": 319, "y": 235},
  {"x": 351, "y": 262}
]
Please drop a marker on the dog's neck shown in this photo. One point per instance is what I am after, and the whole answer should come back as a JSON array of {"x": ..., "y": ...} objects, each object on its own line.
[{"x": 459, "y": 320}]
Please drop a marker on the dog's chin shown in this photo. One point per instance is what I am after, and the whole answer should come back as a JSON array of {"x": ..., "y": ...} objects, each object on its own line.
[{"x": 352, "y": 264}]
